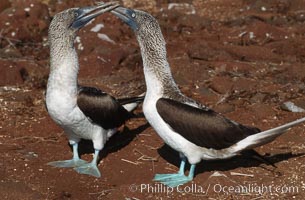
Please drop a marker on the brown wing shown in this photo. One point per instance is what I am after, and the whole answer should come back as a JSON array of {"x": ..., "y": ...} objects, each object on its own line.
[
  {"x": 204, "y": 128},
  {"x": 101, "y": 108}
]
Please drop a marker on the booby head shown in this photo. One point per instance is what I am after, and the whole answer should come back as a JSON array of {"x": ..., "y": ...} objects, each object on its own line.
[
  {"x": 71, "y": 20},
  {"x": 145, "y": 26},
  {"x": 142, "y": 23},
  {"x": 153, "y": 48},
  {"x": 131, "y": 17}
]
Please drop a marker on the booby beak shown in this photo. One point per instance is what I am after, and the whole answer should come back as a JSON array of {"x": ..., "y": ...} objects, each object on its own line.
[
  {"x": 86, "y": 14},
  {"x": 127, "y": 16}
]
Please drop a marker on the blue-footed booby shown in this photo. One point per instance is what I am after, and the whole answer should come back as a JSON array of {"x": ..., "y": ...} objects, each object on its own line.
[
  {"x": 195, "y": 131},
  {"x": 83, "y": 112}
]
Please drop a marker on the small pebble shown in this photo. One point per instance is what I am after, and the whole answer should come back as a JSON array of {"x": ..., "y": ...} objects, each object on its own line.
[{"x": 290, "y": 106}]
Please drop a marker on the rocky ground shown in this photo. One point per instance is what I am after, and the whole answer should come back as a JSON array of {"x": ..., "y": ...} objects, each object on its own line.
[{"x": 242, "y": 58}]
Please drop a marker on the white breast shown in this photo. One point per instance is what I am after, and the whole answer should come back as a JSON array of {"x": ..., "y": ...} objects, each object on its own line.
[{"x": 61, "y": 101}]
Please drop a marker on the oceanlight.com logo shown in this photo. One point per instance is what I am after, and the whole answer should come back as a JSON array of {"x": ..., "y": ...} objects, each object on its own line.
[
  {"x": 216, "y": 188},
  {"x": 255, "y": 189}
]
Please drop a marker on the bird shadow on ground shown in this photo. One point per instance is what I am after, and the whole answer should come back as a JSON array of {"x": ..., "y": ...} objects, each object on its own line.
[
  {"x": 115, "y": 143},
  {"x": 244, "y": 161}
]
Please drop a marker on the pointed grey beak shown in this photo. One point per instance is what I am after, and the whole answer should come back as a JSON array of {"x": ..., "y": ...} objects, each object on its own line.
[
  {"x": 127, "y": 16},
  {"x": 86, "y": 14}
]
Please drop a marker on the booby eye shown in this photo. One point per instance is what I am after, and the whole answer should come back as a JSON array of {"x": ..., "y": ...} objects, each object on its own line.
[
  {"x": 76, "y": 14},
  {"x": 133, "y": 15}
]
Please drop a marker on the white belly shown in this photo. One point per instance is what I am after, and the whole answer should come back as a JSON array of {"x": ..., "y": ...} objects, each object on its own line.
[
  {"x": 63, "y": 109},
  {"x": 169, "y": 136}
]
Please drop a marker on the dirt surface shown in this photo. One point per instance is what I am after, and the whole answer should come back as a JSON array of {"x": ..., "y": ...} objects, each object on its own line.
[{"x": 242, "y": 58}]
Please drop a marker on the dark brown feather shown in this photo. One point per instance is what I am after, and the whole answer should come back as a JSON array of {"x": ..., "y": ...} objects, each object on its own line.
[
  {"x": 101, "y": 108},
  {"x": 204, "y": 128},
  {"x": 128, "y": 100}
]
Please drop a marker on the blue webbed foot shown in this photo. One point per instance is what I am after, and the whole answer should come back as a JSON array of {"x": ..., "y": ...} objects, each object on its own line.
[
  {"x": 164, "y": 177},
  {"x": 67, "y": 163},
  {"x": 74, "y": 162},
  {"x": 177, "y": 180},
  {"x": 173, "y": 180},
  {"x": 89, "y": 169}
]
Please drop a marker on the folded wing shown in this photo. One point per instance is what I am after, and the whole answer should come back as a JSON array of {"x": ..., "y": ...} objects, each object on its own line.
[
  {"x": 204, "y": 128},
  {"x": 101, "y": 108}
]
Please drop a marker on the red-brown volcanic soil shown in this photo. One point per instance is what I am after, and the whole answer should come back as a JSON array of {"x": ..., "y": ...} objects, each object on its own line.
[{"x": 243, "y": 58}]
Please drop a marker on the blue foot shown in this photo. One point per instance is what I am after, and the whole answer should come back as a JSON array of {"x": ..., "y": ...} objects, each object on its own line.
[
  {"x": 177, "y": 180},
  {"x": 173, "y": 180},
  {"x": 67, "y": 163},
  {"x": 74, "y": 162},
  {"x": 164, "y": 177},
  {"x": 89, "y": 168}
]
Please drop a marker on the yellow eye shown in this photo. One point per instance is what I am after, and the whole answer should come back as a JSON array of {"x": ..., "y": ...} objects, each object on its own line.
[
  {"x": 133, "y": 15},
  {"x": 75, "y": 14}
]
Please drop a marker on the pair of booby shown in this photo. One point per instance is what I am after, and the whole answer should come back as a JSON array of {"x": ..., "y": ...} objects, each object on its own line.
[
  {"x": 195, "y": 131},
  {"x": 83, "y": 112}
]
